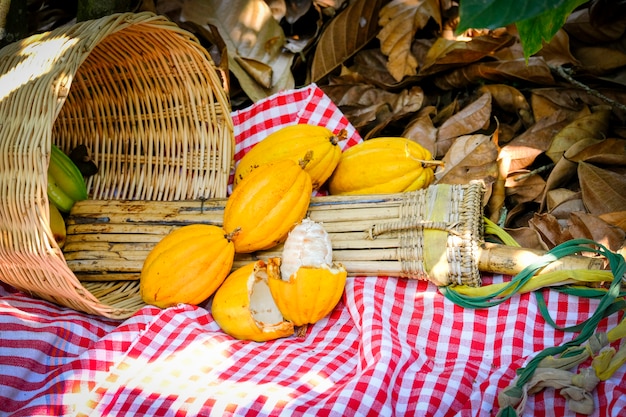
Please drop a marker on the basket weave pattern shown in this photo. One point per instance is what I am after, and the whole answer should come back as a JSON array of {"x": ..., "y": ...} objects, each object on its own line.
[{"x": 145, "y": 98}]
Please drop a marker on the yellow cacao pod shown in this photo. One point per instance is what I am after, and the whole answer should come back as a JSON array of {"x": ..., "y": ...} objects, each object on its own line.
[
  {"x": 243, "y": 306},
  {"x": 305, "y": 283},
  {"x": 186, "y": 266},
  {"x": 382, "y": 165},
  {"x": 308, "y": 295},
  {"x": 296, "y": 142},
  {"x": 266, "y": 204}
]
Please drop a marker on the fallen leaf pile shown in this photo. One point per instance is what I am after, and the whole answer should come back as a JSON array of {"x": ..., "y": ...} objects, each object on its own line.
[{"x": 546, "y": 134}]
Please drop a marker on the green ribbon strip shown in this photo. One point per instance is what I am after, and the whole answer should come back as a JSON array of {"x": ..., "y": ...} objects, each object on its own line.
[{"x": 611, "y": 301}]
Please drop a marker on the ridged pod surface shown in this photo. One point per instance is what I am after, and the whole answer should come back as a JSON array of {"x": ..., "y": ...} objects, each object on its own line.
[
  {"x": 309, "y": 294},
  {"x": 304, "y": 282},
  {"x": 186, "y": 266},
  {"x": 295, "y": 142},
  {"x": 382, "y": 165},
  {"x": 243, "y": 306},
  {"x": 266, "y": 205}
]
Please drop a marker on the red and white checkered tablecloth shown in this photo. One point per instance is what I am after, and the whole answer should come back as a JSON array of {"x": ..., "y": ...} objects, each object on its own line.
[{"x": 392, "y": 347}]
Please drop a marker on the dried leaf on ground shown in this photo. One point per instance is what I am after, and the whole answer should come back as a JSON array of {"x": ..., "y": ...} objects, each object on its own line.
[
  {"x": 471, "y": 157},
  {"x": 527, "y": 190},
  {"x": 507, "y": 97},
  {"x": 535, "y": 71},
  {"x": 600, "y": 60},
  {"x": 368, "y": 106},
  {"x": 471, "y": 118},
  {"x": 549, "y": 229},
  {"x": 572, "y": 100},
  {"x": 254, "y": 41},
  {"x": 345, "y": 35},
  {"x": 527, "y": 238},
  {"x": 564, "y": 171},
  {"x": 616, "y": 218},
  {"x": 611, "y": 151},
  {"x": 560, "y": 195},
  {"x": 371, "y": 65},
  {"x": 588, "y": 226},
  {"x": 524, "y": 149},
  {"x": 557, "y": 51},
  {"x": 422, "y": 130},
  {"x": 603, "y": 189},
  {"x": 399, "y": 21},
  {"x": 564, "y": 210},
  {"x": 594, "y": 125},
  {"x": 578, "y": 25},
  {"x": 446, "y": 54}
]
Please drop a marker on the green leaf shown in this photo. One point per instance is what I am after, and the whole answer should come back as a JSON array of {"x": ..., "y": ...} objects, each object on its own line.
[
  {"x": 493, "y": 14},
  {"x": 534, "y": 31}
]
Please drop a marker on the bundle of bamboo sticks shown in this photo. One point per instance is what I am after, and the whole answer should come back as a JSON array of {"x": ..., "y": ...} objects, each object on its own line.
[{"x": 434, "y": 234}]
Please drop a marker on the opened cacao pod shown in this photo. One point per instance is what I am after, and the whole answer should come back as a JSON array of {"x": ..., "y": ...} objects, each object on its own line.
[
  {"x": 266, "y": 205},
  {"x": 243, "y": 306},
  {"x": 305, "y": 283},
  {"x": 382, "y": 165},
  {"x": 297, "y": 142},
  {"x": 186, "y": 266}
]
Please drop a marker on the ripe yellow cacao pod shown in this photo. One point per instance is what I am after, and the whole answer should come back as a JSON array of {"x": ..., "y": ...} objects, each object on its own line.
[
  {"x": 296, "y": 142},
  {"x": 243, "y": 306},
  {"x": 305, "y": 283},
  {"x": 266, "y": 205},
  {"x": 382, "y": 165},
  {"x": 186, "y": 266}
]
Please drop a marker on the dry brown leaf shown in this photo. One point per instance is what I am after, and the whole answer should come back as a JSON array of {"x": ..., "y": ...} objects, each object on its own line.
[
  {"x": 527, "y": 238},
  {"x": 542, "y": 107},
  {"x": 422, "y": 130},
  {"x": 610, "y": 151},
  {"x": 527, "y": 190},
  {"x": 407, "y": 101},
  {"x": 471, "y": 157},
  {"x": 519, "y": 215},
  {"x": 616, "y": 218},
  {"x": 471, "y": 118},
  {"x": 400, "y": 20},
  {"x": 557, "y": 51},
  {"x": 549, "y": 229},
  {"x": 371, "y": 65},
  {"x": 536, "y": 71},
  {"x": 507, "y": 97},
  {"x": 367, "y": 106},
  {"x": 594, "y": 125},
  {"x": 560, "y": 195},
  {"x": 565, "y": 169},
  {"x": 584, "y": 225},
  {"x": 578, "y": 25},
  {"x": 603, "y": 190},
  {"x": 345, "y": 35},
  {"x": 250, "y": 32},
  {"x": 446, "y": 54},
  {"x": 600, "y": 60},
  {"x": 572, "y": 100},
  {"x": 523, "y": 149},
  {"x": 566, "y": 208}
]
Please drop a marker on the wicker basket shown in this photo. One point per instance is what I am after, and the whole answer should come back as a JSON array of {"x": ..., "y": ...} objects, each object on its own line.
[{"x": 145, "y": 97}]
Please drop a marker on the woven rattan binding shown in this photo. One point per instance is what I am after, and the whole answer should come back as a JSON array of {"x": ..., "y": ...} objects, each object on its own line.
[{"x": 147, "y": 100}]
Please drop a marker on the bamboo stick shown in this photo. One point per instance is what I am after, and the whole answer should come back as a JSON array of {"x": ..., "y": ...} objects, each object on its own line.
[{"x": 510, "y": 260}]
